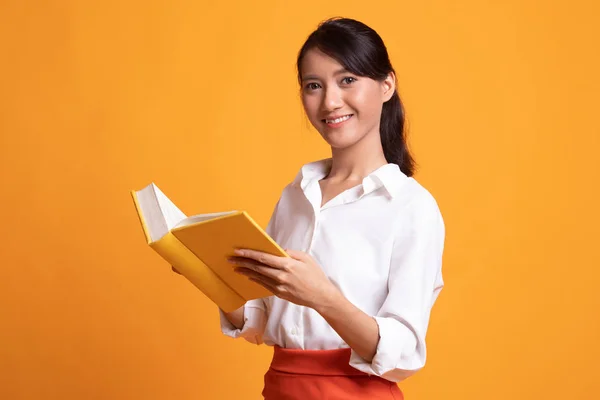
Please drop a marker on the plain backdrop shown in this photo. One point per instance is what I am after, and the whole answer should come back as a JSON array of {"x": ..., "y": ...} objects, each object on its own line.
[{"x": 98, "y": 98}]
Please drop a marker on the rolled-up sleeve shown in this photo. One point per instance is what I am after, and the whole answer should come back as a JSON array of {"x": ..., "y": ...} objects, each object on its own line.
[
  {"x": 415, "y": 281},
  {"x": 255, "y": 320}
]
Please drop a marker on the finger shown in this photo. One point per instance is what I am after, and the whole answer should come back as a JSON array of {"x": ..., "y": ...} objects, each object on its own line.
[
  {"x": 260, "y": 270},
  {"x": 253, "y": 265},
  {"x": 270, "y": 288},
  {"x": 263, "y": 258},
  {"x": 258, "y": 277},
  {"x": 245, "y": 262}
]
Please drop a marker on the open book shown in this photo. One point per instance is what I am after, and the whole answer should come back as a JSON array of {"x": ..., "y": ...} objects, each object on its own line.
[{"x": 198, "y": 246}]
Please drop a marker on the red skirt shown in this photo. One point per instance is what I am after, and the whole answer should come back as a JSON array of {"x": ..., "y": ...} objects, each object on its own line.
[{"x": 322, "y": 374}]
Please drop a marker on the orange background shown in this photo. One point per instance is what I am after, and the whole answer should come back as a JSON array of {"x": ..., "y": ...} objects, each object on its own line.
[{"x": 98, "y": 98}]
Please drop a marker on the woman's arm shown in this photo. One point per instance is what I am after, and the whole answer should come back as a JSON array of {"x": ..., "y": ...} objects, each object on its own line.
[
  {"x": 300, "y": 280},
  {"x": 359, "y": 330},
  {"x": 236, "y": 317}
]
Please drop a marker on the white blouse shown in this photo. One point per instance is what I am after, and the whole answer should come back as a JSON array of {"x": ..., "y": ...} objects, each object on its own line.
[{"x": 380, "y": 243}]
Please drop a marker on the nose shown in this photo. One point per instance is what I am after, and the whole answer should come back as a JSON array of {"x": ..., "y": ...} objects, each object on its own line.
[{"x": 332, "y": 99}]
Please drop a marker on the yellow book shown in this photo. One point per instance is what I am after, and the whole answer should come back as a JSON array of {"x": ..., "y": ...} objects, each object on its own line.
[{"x": 198, "y": 246}]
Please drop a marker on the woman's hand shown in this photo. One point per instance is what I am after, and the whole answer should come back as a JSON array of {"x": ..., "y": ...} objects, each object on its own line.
[{"x": 297, "y": 278}]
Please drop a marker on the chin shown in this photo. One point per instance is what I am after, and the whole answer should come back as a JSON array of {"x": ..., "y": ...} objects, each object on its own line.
[{"x": 339, "y": 140}]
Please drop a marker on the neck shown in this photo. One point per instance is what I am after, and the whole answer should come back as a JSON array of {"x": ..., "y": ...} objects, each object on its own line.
[{"x": 355, "y": 162}]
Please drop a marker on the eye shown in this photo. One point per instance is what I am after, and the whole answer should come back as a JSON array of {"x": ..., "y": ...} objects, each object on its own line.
[
  {"x": 312, "y": 86},
  {"x": 348, "y": 80}
]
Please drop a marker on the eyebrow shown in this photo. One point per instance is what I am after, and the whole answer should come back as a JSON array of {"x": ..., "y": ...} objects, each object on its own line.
[{"x": 314, "y": 77}]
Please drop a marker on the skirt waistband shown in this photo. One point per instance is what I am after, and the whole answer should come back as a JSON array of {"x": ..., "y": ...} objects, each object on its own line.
[{"x": 314, "y": 362}]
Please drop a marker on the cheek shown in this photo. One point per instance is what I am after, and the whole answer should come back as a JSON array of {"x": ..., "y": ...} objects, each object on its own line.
[
  {"x": 368, "y": 105},
  {"x": 311, "y": 107}
]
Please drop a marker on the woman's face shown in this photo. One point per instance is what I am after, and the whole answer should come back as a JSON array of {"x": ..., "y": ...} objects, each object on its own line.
[{"x": 344, "y": 108}]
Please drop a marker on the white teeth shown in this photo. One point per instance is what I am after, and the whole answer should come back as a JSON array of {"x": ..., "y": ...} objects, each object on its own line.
[{"x": 337, "y": 120}]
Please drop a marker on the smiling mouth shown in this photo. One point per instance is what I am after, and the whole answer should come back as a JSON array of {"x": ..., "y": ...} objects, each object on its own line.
[{"x": 337, "y": 120}]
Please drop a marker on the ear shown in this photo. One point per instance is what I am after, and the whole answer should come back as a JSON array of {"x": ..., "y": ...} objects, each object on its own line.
[{"x": 388, "y": 86}]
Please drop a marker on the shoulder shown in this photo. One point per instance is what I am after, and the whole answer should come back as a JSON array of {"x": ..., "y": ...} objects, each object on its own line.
[
  {"x": 415, "y": 206},
  {"x": 414, "y": 196}
]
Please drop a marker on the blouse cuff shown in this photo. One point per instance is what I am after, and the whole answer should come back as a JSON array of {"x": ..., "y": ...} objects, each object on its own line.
[
  {"x": 398, "y": 355},
  {"x": 254, "y": 324}
]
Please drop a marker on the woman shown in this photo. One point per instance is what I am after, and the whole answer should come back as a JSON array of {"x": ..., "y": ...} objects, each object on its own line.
[{"x": 365, "y": 239}]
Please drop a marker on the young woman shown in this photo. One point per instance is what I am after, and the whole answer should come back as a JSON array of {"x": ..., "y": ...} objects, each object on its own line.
[{"x": 352, "y": 303}]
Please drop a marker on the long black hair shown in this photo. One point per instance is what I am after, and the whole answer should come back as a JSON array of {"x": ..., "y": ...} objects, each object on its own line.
[{"x": 361, "y": 51}]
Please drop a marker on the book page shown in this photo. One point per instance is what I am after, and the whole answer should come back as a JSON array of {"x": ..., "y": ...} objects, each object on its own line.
[
  {"x": 151, "y": 214},
  {"x": 171, "y": 213},
  {"x": 201, "y": 217}
]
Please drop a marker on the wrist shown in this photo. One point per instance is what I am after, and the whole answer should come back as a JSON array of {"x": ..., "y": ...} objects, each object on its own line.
[{"x": 331, "y": 301}]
